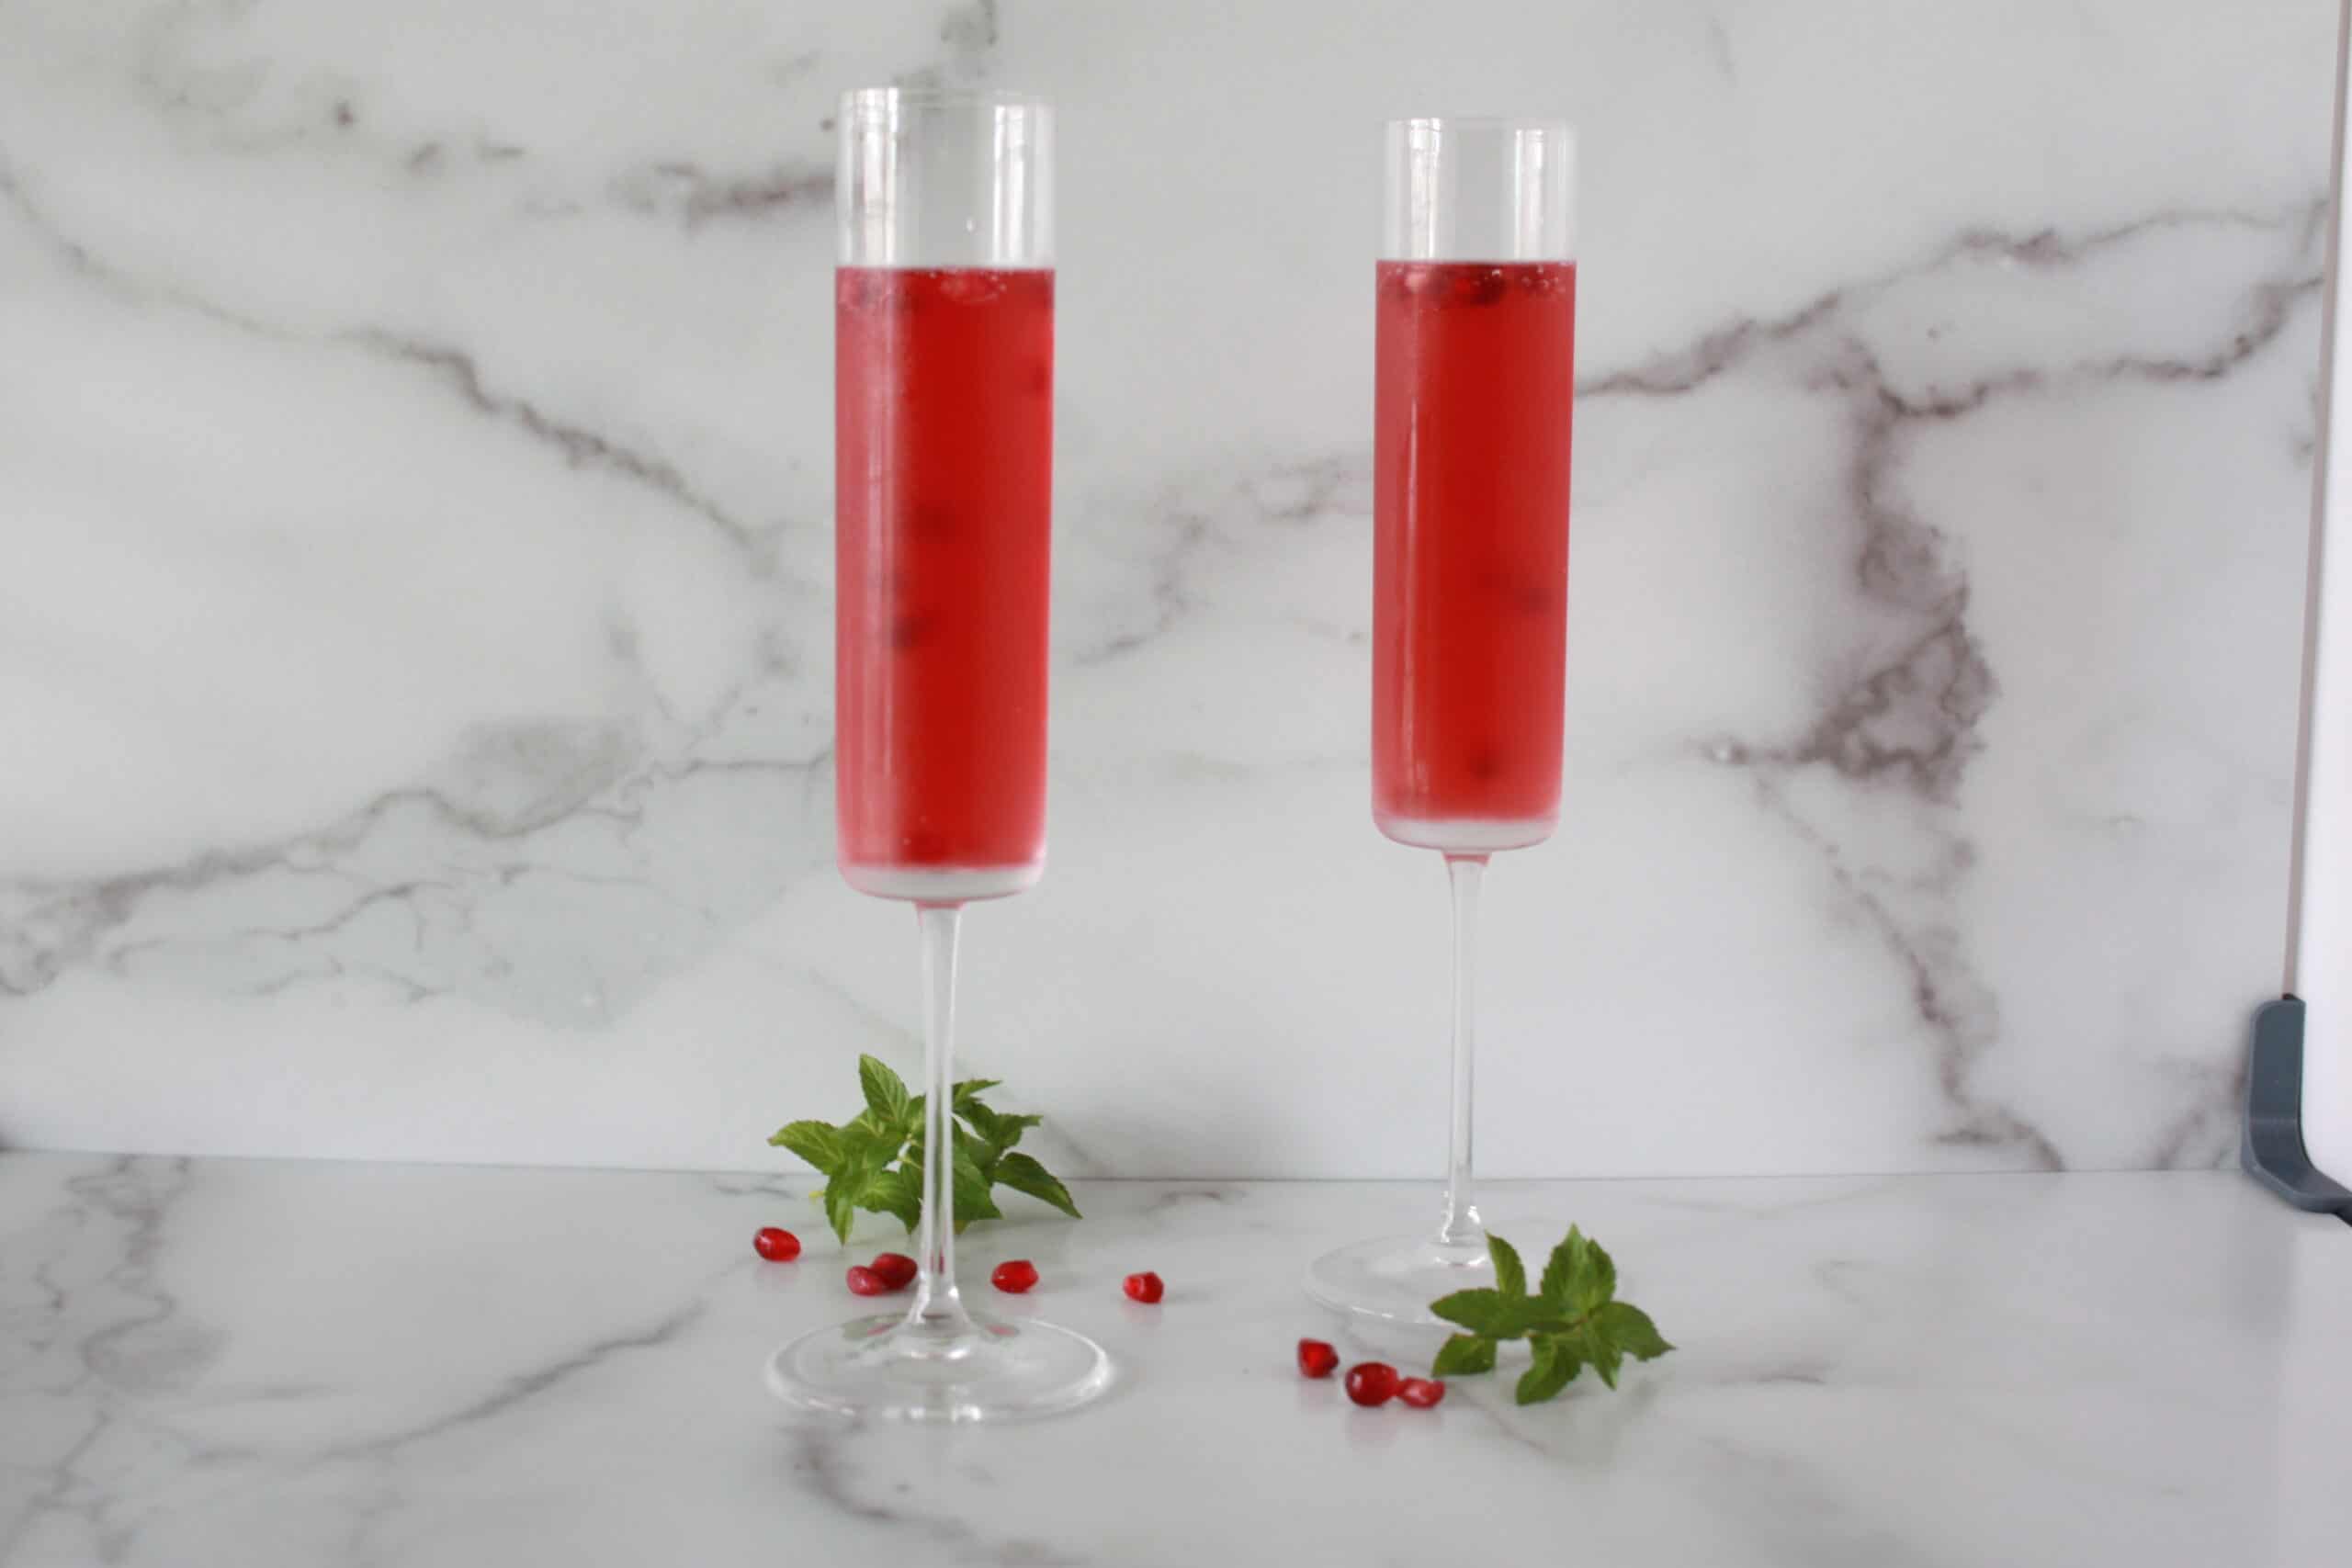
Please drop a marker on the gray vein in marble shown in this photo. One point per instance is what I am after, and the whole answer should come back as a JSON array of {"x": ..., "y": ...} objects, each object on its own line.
[
  {"x": 57, "y": 927},
  {"x": 1169, "y": 599},
  {"x": 560, "y": 772},
  {"x": 1912, "y": 721},
  {"x": 2206, "y": 1133},
  {"x": 521, "y": 1388},
  {"x": 818, "y": 1467},
  {"x": 1794, "y": 1513},
  {"x": 1288, "y": 493},
  {"x": 1725, "y": 348},
  {"x": 735, "y": 1184},
  {"x": 581, "y": 447},
  {"x": 1186, "y": 1197},
  {"x": 695, "y": 196},
  {"x": 65, "y": 922},
  {"x": 1719, "y": 47},
  {"x": 970, "y": 33},
  {"x": 1959, "y": 1011},
  {"x": 137, "y": 1343}
]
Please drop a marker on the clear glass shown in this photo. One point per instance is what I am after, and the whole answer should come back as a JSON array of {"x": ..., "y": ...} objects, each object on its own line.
[
  {"x": 1476, "y": 373},
  {"x": 943, "y": 435}
]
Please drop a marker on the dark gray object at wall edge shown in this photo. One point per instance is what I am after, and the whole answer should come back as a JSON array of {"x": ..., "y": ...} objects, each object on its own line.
[{"x": 2272, "y": 1151}]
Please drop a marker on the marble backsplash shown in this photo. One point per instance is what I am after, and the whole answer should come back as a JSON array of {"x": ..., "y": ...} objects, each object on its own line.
[{"x": 414, "y": 630}]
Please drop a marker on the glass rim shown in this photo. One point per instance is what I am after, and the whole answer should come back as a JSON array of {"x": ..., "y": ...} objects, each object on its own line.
[
  {"x": 860, "y": 102},
  {"x": 1481, "y": 122}
]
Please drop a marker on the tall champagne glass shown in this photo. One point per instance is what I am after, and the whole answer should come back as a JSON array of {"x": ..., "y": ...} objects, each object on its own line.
[
  {"x": 943, "y": 363},
  {"x": 1475, "y": 376}
]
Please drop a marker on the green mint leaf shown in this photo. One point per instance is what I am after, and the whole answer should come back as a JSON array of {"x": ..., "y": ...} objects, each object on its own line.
[
  {"x": 1462, "y": 1355},
  {"x": 1628, "y": 1328},
  {"x": 856, "y": 1158},
  {"x": 819, "y": 1142},
  {"x": 1554, "y": 1367},
  {"x": 1605, "y": 1355},
  {"x": 868, "y": 1126},
  {"x": 976, "y": 1155},
  {"x": 1490, "y": 1313},
  {"x": 1597, "y": 1283},
  {"x": 1553, "y": 1290},
  {"x": 886, "y": 1092},
  {"x": 897, "y": 1194},
  {"x": 863, "y": 1153},
  {"x": 1023, "y": 1174},
  {"x": 998, "y": 1130},
  {"x": 984, "y": 1122},
  {"x": 859, "y": 1150},
  {"x": 1579, "y": 1278},
  {"x": 972, "y": 1199},
  {"x": 1511, "y": 1274},
  {"x": 841, "y": 1208}
]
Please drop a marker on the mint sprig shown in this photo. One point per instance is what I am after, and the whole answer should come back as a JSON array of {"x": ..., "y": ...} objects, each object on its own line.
[
  {"x": 1573, "y": 1321},
  {"x": 875, "y": 1160}
]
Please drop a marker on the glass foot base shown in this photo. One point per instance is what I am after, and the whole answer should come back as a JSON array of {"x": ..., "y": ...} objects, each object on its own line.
[
  {"x": 882, "y": 1369},
  {"x": 1395, "y": 1278}
]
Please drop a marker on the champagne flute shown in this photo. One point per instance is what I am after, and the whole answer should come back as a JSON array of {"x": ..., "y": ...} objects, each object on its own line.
[
  {"x": 1476, "y": 377},
  {"x": 944, "y": 345}
]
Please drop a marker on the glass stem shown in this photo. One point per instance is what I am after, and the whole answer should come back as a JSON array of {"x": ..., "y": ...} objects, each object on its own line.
[
  {"x": 938, "y": 1308},
  {"x": 1462, "y": 1228}
]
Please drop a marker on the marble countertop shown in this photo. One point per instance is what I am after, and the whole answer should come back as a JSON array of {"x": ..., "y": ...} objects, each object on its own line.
[{"x": 255, "y": 1363}]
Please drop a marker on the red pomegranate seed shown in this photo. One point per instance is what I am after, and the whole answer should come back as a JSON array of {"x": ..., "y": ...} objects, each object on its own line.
[
  {"x": 1421, "y": 1392},
  {"x": 897, "y": 1269},
  {"x": 1316, "y": 1358},
  {"x": 1015, "y": 1277},
  {"x": 775, "y": 1245},
  {"x": 1372, "y": 1382},
  {"x": 1146, "y": 1288},
  {"x": 864, "y": 1282}
]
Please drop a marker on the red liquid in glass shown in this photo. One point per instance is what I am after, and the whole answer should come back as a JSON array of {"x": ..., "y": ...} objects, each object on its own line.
[
  {"x": 1476, "y": 373},
  {"x": 943, "y": 444}
]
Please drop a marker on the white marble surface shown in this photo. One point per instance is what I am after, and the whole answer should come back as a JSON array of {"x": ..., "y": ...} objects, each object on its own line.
[
  {"x": 414, "y": 666},
  {"x": 252, "y": 1363}
]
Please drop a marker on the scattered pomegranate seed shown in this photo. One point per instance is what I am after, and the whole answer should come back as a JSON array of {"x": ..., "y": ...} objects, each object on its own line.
[
  {"x": 1372, "y": 1382},
  {"x": 1421, "y": 1392},
  {"x": 864, "y": 1282},
  {"x": 1316, "y": 1358},
  {"x": 1015, "y": 1277},
  {"x": 775, "y": 1245},
  {"x": 1146, "y": 1288},
  {"x": 897, "y": 1269}
]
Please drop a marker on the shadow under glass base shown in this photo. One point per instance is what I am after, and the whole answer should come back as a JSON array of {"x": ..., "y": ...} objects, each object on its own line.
[
  {"x": 884, "y": 1369},
  {"x": 1395, "y": 1278}
]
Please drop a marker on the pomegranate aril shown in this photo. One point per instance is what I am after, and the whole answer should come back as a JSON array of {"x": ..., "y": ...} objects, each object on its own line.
[
  {"x": 1015, "y": 1277},
  {"x": 775, "y": 1244},
  {"x": 864, "y": 1282},
  {"x": 1421, "y": 1392},
  {"x": 1316, "y": 1358},
  {"x": 897, "y": 1269},
  {"x": 1372, "y": 1382},
  {"x": 1146, "y": 1288}
]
